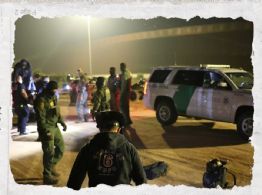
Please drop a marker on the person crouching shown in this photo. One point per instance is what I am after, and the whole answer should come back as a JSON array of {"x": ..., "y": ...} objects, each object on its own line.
[{"x": 109, "y": 158}]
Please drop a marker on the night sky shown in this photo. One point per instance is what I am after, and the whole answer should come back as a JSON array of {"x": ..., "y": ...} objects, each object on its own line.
[{"x": 60, "y": 45}]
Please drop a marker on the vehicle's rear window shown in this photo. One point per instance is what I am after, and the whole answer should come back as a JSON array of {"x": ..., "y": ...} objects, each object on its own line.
[
  {"x": 159, "y": 76},
  {"x": 189, "y": 77}
]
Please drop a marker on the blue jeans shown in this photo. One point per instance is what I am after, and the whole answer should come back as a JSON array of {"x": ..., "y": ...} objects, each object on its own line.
[{"x": 23, "y": 116}]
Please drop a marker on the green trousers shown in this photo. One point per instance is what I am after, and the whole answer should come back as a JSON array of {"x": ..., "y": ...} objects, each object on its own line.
[{"x": 53, "y": 150}]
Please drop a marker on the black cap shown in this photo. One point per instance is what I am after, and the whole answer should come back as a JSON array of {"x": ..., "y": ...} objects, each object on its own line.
[
  {"x": 108, "y": 119},
  {"x": 52, "y": 85}
]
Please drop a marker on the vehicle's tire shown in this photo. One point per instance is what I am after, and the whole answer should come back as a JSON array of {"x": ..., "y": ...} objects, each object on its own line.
[
  {"x": 133, "y": 95},
  {"x": 245, "y": 125},
  {"x": 166, "y": 113}
]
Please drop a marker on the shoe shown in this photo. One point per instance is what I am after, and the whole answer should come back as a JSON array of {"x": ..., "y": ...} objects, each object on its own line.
[{"x": 50, "y": 180}]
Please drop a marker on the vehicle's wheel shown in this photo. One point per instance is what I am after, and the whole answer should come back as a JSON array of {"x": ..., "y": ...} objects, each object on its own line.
[
  {"x": 245, "y": 125},
  {"x": 166, "y": 113},
  {"x": 133, "y": 96}
]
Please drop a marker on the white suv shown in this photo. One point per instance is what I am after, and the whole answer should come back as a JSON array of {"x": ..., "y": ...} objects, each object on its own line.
[{"x": 215, "y": 92}]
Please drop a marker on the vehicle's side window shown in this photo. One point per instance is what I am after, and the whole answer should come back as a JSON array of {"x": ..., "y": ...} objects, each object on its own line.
[
  {"x": 159, "y": 76},
  {"x": 215, "y": 81},
  {"x": 188, "y": 77}
]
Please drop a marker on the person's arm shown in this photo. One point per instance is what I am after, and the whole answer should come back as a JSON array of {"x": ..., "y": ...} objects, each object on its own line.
[
  {"x": 41, "y": 114},
  {"x": 24, "y": 94},
  {"x": 60, "y": 118},
  {"x": 79, "y": 170},
  {"x": 138, "y": 173}
]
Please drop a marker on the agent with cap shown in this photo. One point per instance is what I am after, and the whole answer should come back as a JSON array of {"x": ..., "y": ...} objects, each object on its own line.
[
  {"x": 48, "y": 115},
  {"x": 109, "y": 158}
]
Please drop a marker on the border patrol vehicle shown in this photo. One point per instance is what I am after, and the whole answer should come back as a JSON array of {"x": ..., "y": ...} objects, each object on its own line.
[{"x": 215, "y": 92}]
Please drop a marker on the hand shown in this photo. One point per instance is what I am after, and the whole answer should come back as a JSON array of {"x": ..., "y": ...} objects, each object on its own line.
[{"x": 64, "y": 126}]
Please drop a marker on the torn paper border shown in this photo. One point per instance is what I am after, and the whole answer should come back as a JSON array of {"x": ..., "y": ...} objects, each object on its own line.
[{"x": 11, "y": 10}]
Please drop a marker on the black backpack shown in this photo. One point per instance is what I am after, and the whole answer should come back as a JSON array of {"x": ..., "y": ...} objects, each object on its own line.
[
  {"x": 155, "y": 170},
  {"x": 215, "y": 174}
]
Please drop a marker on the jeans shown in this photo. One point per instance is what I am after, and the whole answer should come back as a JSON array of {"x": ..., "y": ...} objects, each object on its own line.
[{"x": 23, "y": 116}]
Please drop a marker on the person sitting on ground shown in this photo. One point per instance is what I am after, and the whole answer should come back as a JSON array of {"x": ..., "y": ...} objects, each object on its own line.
[{"x": 109, "y": 158}]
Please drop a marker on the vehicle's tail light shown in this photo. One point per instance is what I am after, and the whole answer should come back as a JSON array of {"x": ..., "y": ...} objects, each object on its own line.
[{"x": 145, "y": 88}]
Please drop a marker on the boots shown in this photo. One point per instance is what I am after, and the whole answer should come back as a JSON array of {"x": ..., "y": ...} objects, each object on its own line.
[{"x": 50, "y": 180}]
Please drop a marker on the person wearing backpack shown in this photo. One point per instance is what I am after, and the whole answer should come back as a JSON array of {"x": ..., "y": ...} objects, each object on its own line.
[{"x": 109, "y": 158}]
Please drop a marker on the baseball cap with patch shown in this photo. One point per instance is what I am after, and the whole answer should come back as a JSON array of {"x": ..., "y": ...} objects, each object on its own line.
[{"x": 108, "y": 119}]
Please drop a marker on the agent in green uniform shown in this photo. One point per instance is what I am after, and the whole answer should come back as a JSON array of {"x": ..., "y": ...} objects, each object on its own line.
[
  {"x": 101, "y": 97},
  {"x": 109, "y": 158},
  {"x": 48, "y": 115}
]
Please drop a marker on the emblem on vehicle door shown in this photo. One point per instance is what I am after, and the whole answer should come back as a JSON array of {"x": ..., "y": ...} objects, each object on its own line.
[{"x": 226, "y": 100}]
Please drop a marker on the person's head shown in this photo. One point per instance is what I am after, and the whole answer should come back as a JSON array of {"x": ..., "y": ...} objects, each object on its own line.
[
  {"x": 79, "y": 71},
  {"x": 100, "y": 82},
  {"x": 36, "y": 77},
  {"x": 109, "y": 121},
  {"x": 112, "y": 71},
  {"x": 122, "y": 67},
  {"x": 82, "y": 79},
  {"x": 24, "y": 63},
  {"x": 51, "y": 88},
  {"x": 46, "y": 79},
  {"x": 19, "y": 79}
]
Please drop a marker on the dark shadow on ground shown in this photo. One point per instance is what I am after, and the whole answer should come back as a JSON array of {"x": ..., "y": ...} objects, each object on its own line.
[
  {"x": 132, "y": 136},
  {"x": 183, "y": 135}
]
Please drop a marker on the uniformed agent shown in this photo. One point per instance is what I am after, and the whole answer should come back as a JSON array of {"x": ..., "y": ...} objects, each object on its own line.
[
  {"x": 101, "y": 97},
  {"x": 48, "y": 116},
  {"x": 109, "y": 158}
]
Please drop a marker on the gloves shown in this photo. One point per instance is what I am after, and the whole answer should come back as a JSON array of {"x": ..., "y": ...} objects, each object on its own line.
[{"x": 64, "y": 126}]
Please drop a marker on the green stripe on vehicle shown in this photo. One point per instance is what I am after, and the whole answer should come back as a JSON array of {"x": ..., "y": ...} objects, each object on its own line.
[{"x": 182, "y": 97}]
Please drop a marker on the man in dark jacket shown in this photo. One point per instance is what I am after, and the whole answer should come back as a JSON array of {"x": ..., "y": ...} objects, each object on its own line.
[{"x": 109, "y": 158}]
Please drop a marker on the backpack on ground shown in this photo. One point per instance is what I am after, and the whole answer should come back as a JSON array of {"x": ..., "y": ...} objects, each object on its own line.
[
  {"x": 216, "y": 173},
  {"x": 155, "y": 170}
]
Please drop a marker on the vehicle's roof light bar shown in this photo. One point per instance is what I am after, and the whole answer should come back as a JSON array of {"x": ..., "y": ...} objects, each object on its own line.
[{"x": 214, "y": 66}]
